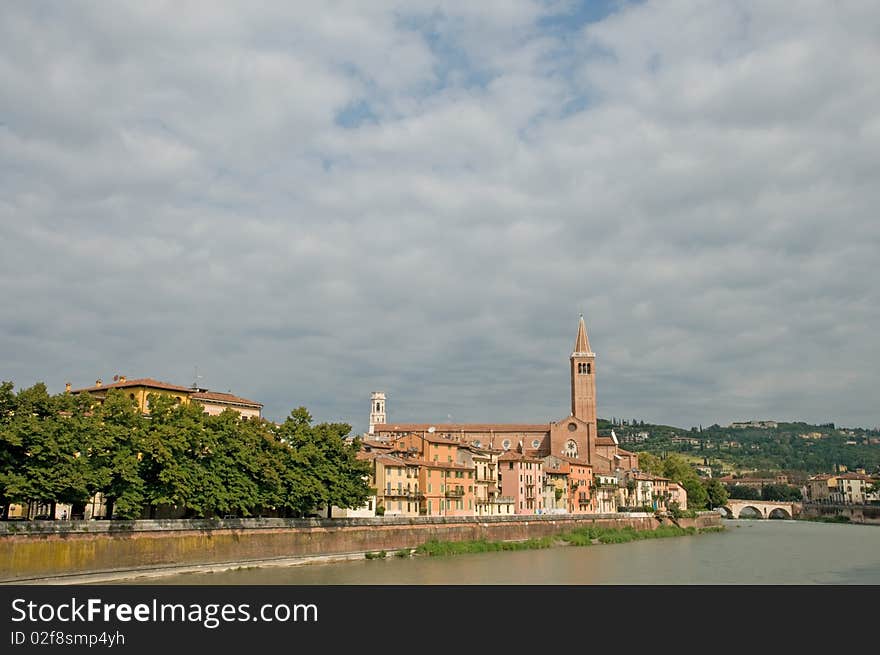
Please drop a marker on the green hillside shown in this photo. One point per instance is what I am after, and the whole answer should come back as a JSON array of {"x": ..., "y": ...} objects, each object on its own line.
[{"x": 782, "y": 446}]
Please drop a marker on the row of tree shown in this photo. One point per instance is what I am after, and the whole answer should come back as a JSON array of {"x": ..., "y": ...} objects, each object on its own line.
[
  {"x": 778, "y": 492},
  {"x": 65, "y": 449}
]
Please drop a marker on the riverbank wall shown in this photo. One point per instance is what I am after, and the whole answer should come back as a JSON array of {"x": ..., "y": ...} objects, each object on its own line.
[
  {"x": 868, "y": 514},
  {"x": 45, "y": 549}
]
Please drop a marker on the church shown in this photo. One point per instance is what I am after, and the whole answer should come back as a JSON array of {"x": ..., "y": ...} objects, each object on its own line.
[{"x": 573, "y": 437}]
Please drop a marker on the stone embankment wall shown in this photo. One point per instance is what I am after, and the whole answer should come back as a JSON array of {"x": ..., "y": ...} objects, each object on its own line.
[
  {"x": 855, "y": 513},
  {"x": 41, "y": 549}
]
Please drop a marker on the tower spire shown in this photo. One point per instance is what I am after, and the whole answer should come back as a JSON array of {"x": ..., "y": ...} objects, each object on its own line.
[{"x": 582, "y": 344}]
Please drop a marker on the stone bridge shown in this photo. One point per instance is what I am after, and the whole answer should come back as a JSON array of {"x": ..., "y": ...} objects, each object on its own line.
[{"x": 766, "y": 509}]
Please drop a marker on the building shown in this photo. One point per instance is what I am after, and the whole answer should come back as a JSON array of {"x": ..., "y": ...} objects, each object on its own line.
[
  {"x": 522, "y": 478},
  {"x": 214, "y": 402},
  {"x": 761, "y": 425},
  {"x": 821, "y": 488},
  {"x": 488, "y": 500},
  {"x": 140, "y": 389},
  {"x": 397, "y": 485},
  {"x": 557, "y": 488},
  {"x": 852, "y": 489},
  {"x": 137, "y": 390},
  {"x": 605, "y": 492},
  {"x": 573, "y": 436},
  {"x": 677, "y": 495}
]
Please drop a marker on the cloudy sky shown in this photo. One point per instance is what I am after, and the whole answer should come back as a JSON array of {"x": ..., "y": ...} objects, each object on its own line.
[{"x": 312, "y": 201}]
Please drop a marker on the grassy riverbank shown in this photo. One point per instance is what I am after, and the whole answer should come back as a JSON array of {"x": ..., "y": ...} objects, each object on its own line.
[{"x": 579, "y": 537}]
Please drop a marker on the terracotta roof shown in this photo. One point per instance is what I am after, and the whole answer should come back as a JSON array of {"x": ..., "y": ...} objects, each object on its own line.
[
  {"x": 397, "y": 461},
  {"x": 648, "y": 476},
  {"x": 224, "y": 398},
  {"x": 564, "y": 469},
  {"x": 574, "y": 460},
  {"x": 138, "y": 382},
  {"x": 449, "y": 428},
  {"x": 517, "y": 457},
  {"x": 853, "y": 476},
  {"x": 382, "y": 445},
  {"x": 441, "y": 465}
]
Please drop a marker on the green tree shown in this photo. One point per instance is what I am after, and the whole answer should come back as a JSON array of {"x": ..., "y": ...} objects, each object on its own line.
[
  {"x": 118, "y": 434},
  {"x": 743, "y": 492},
  {"x": 717, "y": 493},
  {"x": 697, "y": 498},
  {"x": 651, "y": 464}
]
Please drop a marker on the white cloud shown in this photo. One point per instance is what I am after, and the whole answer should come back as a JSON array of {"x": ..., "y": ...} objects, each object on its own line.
[{"x": 177, "y": 189}]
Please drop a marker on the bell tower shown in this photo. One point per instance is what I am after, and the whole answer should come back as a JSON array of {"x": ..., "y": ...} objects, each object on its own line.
[
  {"x": 377, "y": 409},
  {"x": 583, "y": 380}
]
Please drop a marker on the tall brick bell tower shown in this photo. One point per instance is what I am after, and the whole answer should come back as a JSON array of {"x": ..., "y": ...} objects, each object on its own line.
[{"x": 583, "y": 380}]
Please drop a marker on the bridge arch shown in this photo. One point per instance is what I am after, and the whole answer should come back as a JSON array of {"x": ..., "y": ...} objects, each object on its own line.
[
  {"x": 778, "y": 513},
  {"x": 751, "y": 512}
]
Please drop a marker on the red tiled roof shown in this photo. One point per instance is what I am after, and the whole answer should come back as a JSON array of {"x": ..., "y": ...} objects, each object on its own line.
[
  {"x": 510, "y": 456},
  {"x": 573, "y": 460},
  {"x": 448, "y": 428},
  {"x": 217, "y": 396},
  {"x": 138, "y": 382},
  {"x": 441, "y": 465},
  {"x": 397, "y": 461},
  {"x": 382, "y": 445}
]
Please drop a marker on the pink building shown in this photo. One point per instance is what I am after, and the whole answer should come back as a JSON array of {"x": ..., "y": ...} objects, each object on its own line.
[{"x": 521, "y": 477}]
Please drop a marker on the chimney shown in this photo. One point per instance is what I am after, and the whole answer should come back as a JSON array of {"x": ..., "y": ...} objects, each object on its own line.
[
  {"x": 67, "y": 387},
  {"x": 98, "y": 382},
  {"x": 122, "y": 378}
]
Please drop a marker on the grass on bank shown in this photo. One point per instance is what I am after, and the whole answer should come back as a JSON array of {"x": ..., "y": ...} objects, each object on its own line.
[{"x": 578, "y": 537}]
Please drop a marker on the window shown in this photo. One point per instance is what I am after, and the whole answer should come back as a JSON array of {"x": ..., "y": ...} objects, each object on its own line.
[
  {"x": 506, "y": 444},
  {"x": 535, "y": 443},
  {"x": 572, "y": 427},
  {"x": 588, "y": 369}
]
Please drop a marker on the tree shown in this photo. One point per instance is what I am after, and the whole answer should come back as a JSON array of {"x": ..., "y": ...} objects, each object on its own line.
[
  {"x": 697, "y": 498},
  {"x": 780, "y": 492},
  {"x": 117, "y": 432},
  {"x": 743, "y": 492},
  {"x": 651, "y": 463},
  {"x": 717, "y": 493}
]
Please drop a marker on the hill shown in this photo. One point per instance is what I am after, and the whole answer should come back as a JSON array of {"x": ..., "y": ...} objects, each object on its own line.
[{"x": 764, "y": 445}]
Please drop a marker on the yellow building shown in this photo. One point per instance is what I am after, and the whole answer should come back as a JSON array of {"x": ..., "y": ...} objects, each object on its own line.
[{"x": 139, "y": 391}]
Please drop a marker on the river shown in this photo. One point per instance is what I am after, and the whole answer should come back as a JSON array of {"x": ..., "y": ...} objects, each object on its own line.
[{"x": 747, "y": 552}]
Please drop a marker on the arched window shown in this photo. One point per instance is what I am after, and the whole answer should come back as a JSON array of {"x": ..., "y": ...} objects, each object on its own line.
[
  {"x": 588, "y": 369},
  {"x": 377, "y": 407}
]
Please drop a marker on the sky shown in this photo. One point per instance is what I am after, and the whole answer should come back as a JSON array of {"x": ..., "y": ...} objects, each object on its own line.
[{"x": 302, "y": 203}]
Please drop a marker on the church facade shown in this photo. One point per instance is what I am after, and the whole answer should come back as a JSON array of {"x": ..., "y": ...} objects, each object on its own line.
[{"x": 573, "y": 437}]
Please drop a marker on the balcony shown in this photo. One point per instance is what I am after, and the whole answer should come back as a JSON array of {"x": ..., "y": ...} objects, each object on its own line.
[
  {"x": 454, "y": 493},
  {"x": 403, "y": 493}
]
